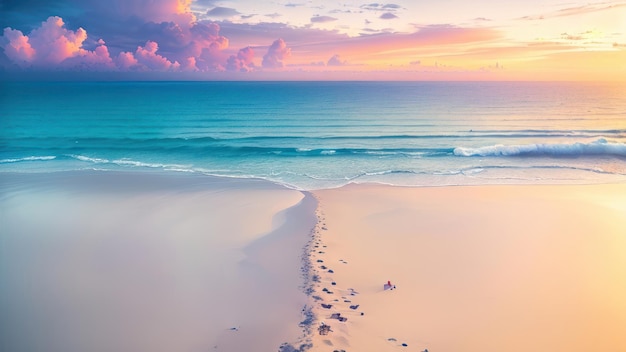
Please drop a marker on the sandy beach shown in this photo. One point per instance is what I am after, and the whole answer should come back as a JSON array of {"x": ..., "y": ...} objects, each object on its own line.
[
  {"x": 476, "y": 268},
  {"x": 104, "y": 261},
  {"x": 107, "y": 261}
]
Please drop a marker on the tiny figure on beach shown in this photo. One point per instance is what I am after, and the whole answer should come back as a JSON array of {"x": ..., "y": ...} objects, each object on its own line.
[{"x": 389, "y": 286}]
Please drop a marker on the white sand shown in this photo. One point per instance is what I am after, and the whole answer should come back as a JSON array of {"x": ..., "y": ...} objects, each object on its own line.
[
  {"x": 493, "y": 268},
  {"x": 97, "y": 261},
  {"x": 134, "y": 262}
]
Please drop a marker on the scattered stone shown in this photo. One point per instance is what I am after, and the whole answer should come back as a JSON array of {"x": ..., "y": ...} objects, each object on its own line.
[
  {"x": 404, "y": 345},
  {"x": 362, "y": 313},
  {"x": 391, "y": 339},
  {"x": 338, "y": 317},
  {"x": 320, "y": 261},
  {"x": 356, "y": 306},
  {"x": 330, "y": 271},
  {"x": 327, "y": 306},
  {"x": 324, "y": 329},
  {"x": 333, "y": 283}
]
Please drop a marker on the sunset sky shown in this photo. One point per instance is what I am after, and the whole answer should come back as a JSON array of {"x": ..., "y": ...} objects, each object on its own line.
[{"x": 293, "y": 39}]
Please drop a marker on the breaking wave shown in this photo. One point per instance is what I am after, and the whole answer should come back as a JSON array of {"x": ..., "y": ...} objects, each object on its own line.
[
  {"x": 28, "y": 158},
  {"x": 598, "y": 147}
]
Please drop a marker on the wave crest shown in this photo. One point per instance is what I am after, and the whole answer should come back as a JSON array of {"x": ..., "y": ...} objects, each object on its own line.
[
  {"x": 28, "y": 158},
  {"x": 598, "y": 147}
]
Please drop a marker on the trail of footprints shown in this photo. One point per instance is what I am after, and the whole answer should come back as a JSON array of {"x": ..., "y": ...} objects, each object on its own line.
[{"x": 329, "y": 294}]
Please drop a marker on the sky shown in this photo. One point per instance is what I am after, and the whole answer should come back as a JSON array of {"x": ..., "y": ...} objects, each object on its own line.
[{"x": 315, "y": 40}]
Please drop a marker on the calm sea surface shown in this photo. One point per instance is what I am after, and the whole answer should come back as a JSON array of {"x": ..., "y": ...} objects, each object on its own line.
[{"x": 311, "y": 135}]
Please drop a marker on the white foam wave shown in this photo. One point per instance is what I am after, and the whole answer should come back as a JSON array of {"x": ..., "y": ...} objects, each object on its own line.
[
  {"x": 129, "y": 162},
  {"x": 598, "y": 147},
  {"x": 88, "y": 159},
  {"x": 28, "y": 158}
]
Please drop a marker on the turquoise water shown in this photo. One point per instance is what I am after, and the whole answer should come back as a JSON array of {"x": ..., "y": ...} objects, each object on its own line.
[{"x": 311, "y": 135}]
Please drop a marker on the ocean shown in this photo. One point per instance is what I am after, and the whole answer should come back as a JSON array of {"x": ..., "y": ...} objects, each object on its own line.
[{"x": 315, "y": 135}]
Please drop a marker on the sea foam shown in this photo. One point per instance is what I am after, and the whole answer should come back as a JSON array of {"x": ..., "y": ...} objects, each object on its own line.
[
  {"x": 28, "y": 158},
  {"x": 598, "y": 147}
]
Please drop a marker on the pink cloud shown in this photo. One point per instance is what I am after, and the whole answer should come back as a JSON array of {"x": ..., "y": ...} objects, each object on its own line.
[
  {"x": 243, "y": 61},
  {"x": 50, "y": 45},
  {"x": 276, "y": 53},
  {"x": 54, "y": 43},
  {"x": 126, "y": 61},
  {"x": 18, "y": 48},
  {"x": 147, "y": 57},
  {"x": 425, "y": 38},
  {"x": 99, "y": 59},
  {"x": 189, "y": 64},
  {"x": 335, "y": 60},
  {"x": 197, "y": 46}
]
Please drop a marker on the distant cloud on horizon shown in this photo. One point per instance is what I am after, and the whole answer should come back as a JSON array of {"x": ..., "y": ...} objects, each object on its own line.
[
  {"x": 222, "y": 12},
  {"x": 322, "y": 19},
  {"x": 388, "y": 16}
]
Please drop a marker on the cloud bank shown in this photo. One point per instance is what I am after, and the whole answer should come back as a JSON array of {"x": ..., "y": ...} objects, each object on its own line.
[{"x": 137, "y": 35}]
